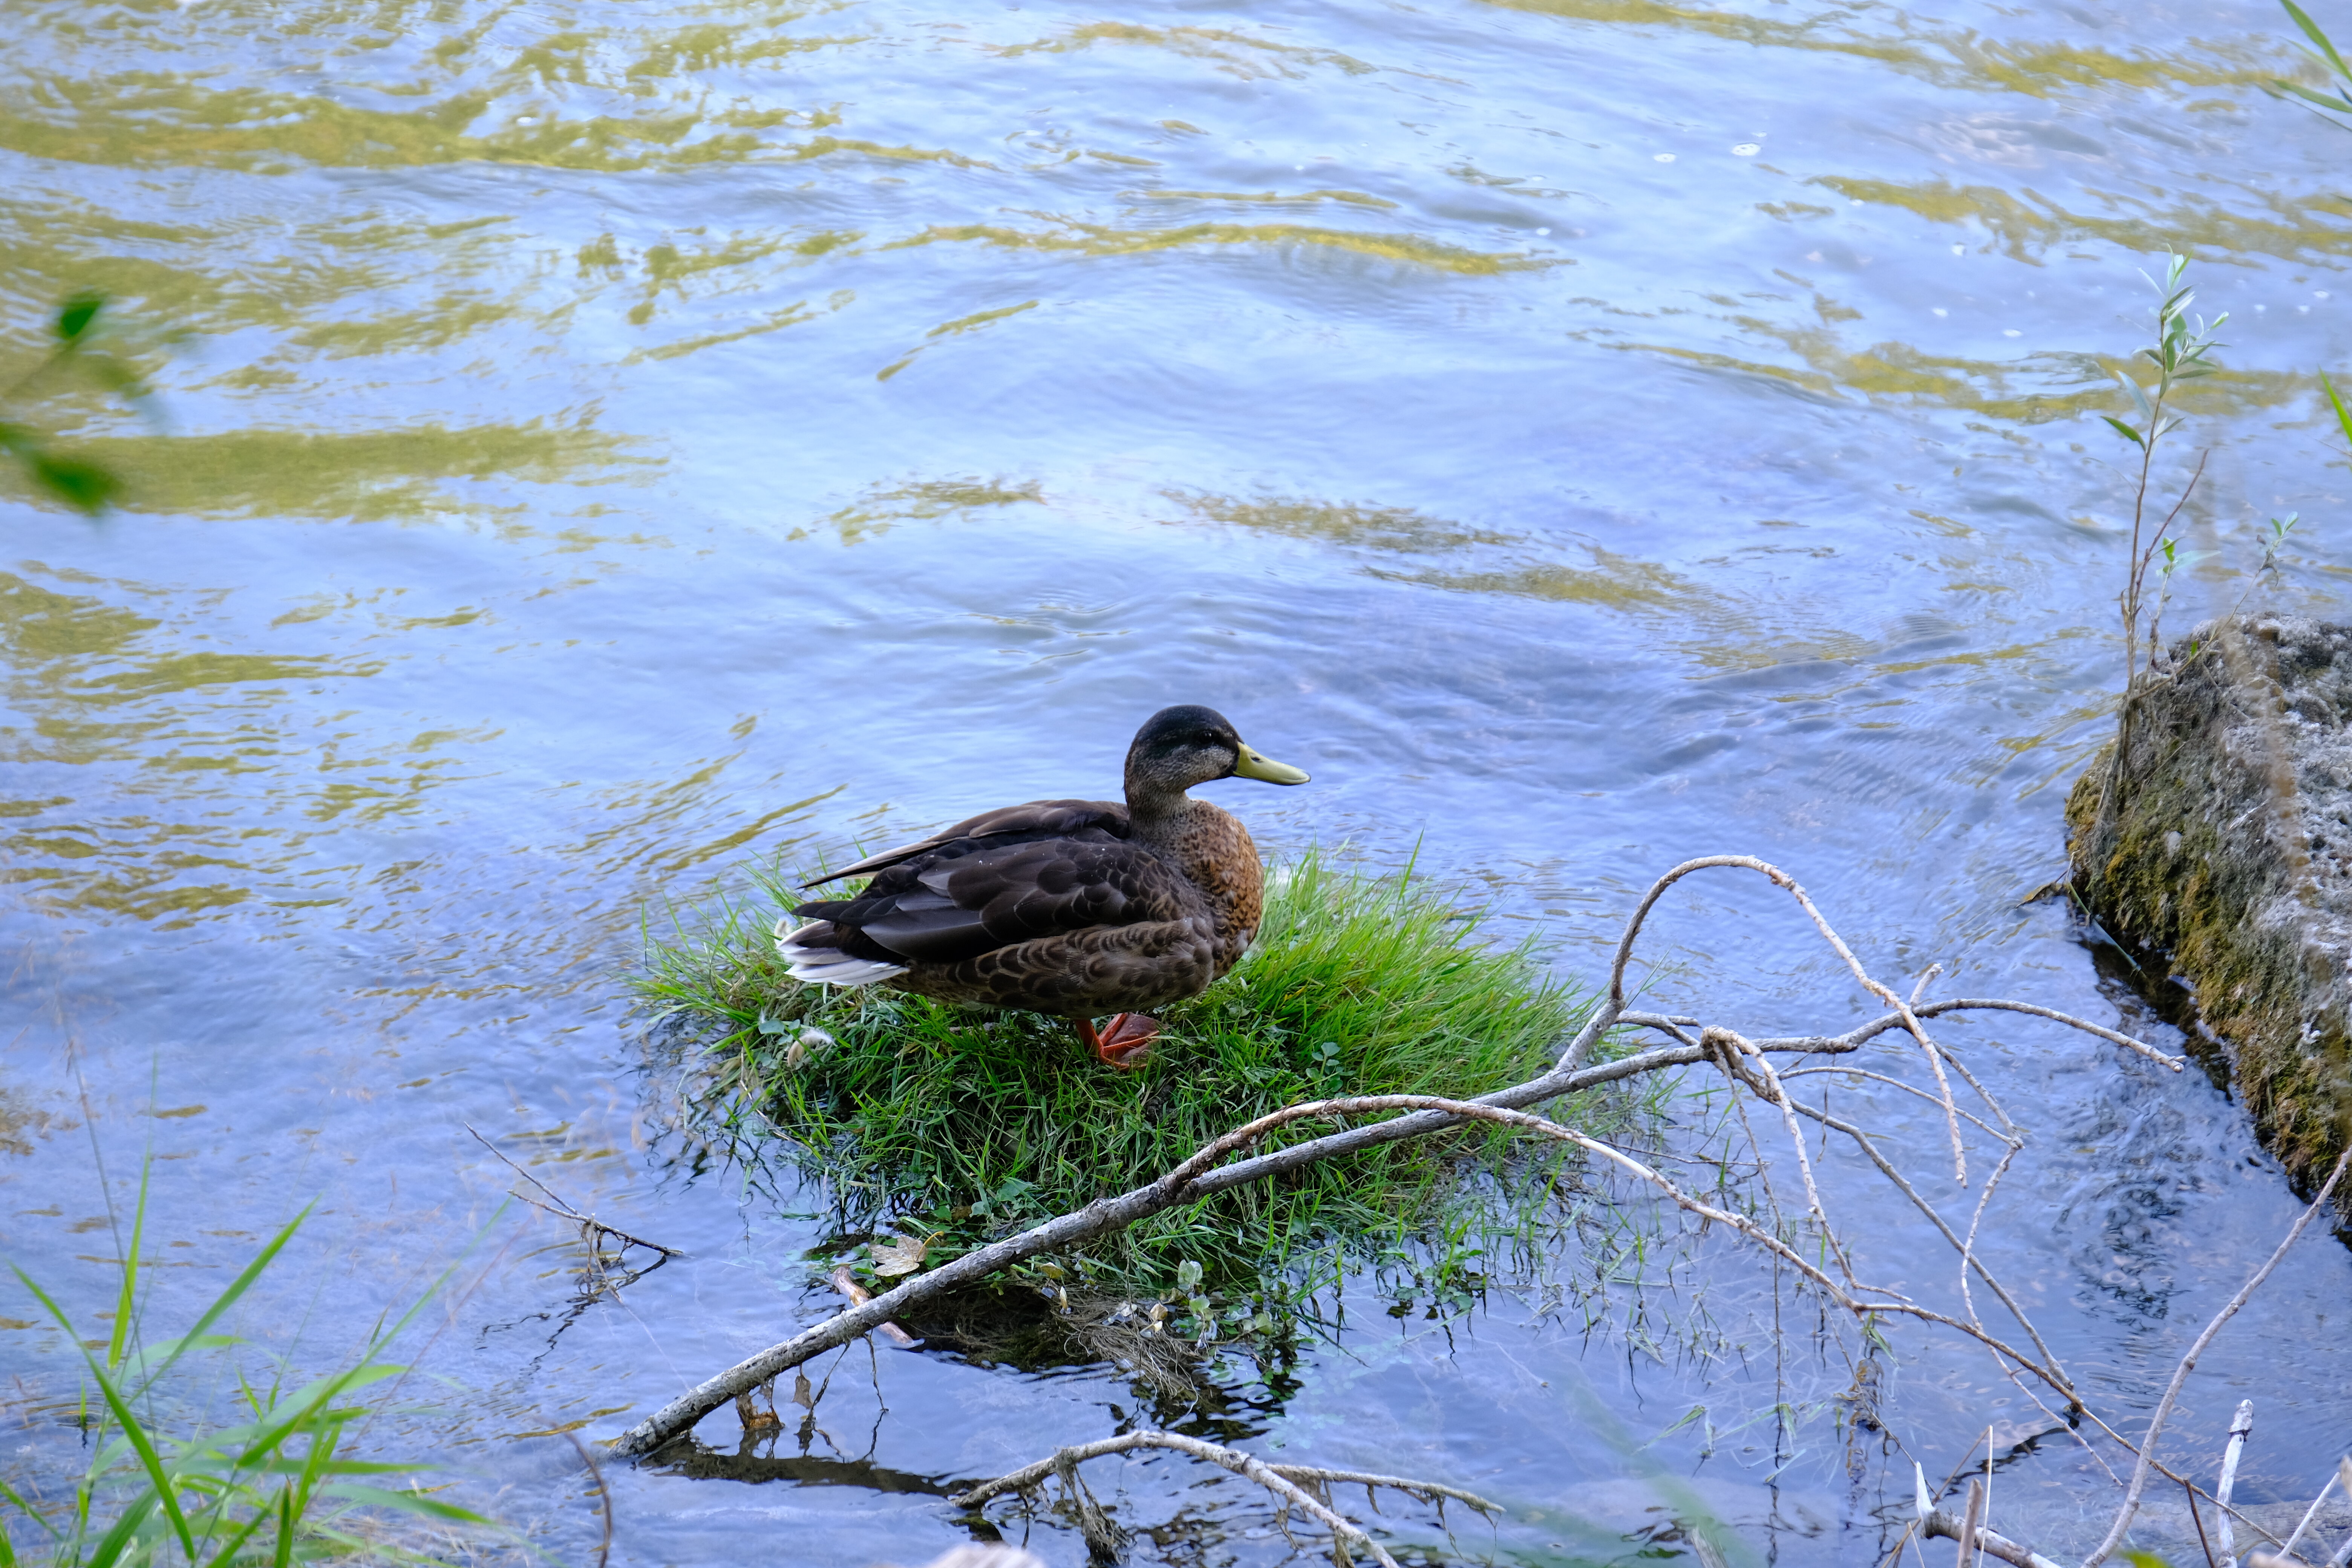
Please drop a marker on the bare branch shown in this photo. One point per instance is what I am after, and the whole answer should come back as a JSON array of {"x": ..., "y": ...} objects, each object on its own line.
[
  {"x": 2240, "y": 1425},
  {"x": 1280, "y": 1479},
  {"x": 1944, "y": 1523},
  {"x": 562, "y": 1210},
  {"x": 2188, "y": 1363},
  {"x": 1728, "y": 1041},
  {"x": 846, "y": 1283}
]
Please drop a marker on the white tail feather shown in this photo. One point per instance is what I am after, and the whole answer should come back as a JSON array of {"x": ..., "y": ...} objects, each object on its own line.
[{"x": 830, "y": 965}]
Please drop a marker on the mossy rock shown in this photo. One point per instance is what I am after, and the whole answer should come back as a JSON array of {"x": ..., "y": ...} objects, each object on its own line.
[{"x": 2223, "y": 848}]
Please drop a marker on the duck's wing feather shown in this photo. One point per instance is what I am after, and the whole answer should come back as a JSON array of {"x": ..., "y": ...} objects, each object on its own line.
[
  {"x": 1038, "y": 819},
  {"x": 953, "y": 908}
]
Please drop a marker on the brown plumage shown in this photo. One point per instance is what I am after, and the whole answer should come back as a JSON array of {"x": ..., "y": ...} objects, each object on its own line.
[{"x": 1072, "y": 908}]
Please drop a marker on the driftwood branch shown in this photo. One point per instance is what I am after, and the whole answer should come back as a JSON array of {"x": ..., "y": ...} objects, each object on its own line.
[
  {"x": 1944, "y": 1523},
  {"x": 846, "y": 1283},
  {"x": 2188, "y": 1363},
  {"x": 1281, "y": 1481},
  {"x": 1287, "y": 1482}
]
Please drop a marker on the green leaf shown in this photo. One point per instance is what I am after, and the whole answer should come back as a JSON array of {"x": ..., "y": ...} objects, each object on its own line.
[
  {"x": 410, "y": 1503},
  {"x": 132, "y": 1432},
  {"x": 85, "y": 487},
  {"x": 76, "y": 315},
  {"x": 27, "y": 1508},
  {"x": 2341, "y": 103},
  {"x": 2311, "y": 30},
  {"x": 110, "y": 1545},
  {"x": 2138, "y": 395},
  {"x": 2124, "y": 430},
  {"x": 2343, "y": 416},
  {"x": 285, "y": 1552},
  {"x": 227, "y": 1554},
  {"x": 226, "y": 1299},
  {"x": 126, "y": 1300}
]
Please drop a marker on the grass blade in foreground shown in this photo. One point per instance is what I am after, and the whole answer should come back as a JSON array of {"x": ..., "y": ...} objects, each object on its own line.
[{"x": 272, "y": 1490}]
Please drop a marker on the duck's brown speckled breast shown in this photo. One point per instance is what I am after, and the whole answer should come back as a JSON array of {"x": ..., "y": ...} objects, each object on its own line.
[{"x": 1216, "y": 854}]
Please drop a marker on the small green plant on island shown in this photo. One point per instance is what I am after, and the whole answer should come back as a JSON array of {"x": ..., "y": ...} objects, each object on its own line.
[
  {"x": 163, "y": 1487},
  {"x": 936, "y": 1129},
  {"x": 2179, "y": 354},
  {"x": 78, "y": 348}
]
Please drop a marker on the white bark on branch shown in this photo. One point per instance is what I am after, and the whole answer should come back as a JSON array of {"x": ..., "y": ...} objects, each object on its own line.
[{"x": 1281, "y": 1481}]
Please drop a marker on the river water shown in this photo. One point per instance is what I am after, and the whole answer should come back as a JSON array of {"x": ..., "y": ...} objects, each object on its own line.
[{"x": 603, "y": 444}]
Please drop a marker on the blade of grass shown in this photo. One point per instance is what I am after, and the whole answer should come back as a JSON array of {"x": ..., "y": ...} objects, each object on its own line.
[
  {"x": 132, "y": 1431},
  {"x": 128, "y": 1299},
  {"x": 2311, "y": 30},
  {"x": 2342, "y": 416},
  {"x": 27, "y": 1508},
  {"x": 174, "y": 1349}
]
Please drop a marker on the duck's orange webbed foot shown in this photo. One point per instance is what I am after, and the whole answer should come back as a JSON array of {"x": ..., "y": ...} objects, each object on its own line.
[{"x": 1124, "y": 1042}]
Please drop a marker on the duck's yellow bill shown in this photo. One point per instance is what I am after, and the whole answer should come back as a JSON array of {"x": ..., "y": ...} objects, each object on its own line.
[{"x": 1255, "y": 765}]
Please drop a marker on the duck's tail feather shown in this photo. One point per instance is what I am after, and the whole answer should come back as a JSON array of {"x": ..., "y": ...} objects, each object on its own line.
[{"x": 812, "y": 960}]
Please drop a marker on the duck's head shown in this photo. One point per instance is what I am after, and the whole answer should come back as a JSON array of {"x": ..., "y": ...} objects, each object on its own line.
[{"x": 1180, "y": 747}]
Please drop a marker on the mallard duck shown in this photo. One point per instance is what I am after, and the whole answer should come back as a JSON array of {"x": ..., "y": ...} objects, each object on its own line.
[{"x": 1073, "y": 908}]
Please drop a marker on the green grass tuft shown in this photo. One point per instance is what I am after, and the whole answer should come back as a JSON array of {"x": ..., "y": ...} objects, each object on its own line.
[
  {"x": 958, "y": 1125},
  {"x": 275, "y": 1487}
]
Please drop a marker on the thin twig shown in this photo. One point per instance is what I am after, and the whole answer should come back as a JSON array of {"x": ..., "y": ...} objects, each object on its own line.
[
  {"x": 2199, "y": 1520},
  {"x": 1776, "y": 1095},
  {"x": 1836, "y": 1125},
  {"x": 1788, "y": 884},
  {"x": 2287, "y": 1546},
  {"x": 565, "y": 1211},
  {"x": 1969, "y": 1247},
  {"x": 1429, "y": 1491},
  {"x": 603, "y": 1495},
  {"x": 1968, "y": 1116},
  {"x": 1272, "y": 1477},
  {"x": 2188, "y": 1363}
]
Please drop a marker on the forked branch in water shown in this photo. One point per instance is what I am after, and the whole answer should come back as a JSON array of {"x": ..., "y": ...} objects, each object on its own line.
[{"x": 1283, "y": 1481}]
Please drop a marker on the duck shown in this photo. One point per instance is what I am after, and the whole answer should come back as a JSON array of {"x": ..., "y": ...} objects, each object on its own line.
[{"x": 1074, "y": 909}]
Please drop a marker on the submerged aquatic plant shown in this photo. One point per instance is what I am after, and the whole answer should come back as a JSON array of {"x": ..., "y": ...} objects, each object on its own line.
[
  {"x": 951, "y": 1125},
  {"x": 273, "y": 1486}
]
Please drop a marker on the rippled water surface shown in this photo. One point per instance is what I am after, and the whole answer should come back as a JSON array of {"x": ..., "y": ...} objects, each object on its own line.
[{"x": 606, "y": 443}]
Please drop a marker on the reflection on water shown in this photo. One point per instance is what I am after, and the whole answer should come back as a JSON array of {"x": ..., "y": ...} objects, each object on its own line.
[{"x": 604, "y": 446}]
